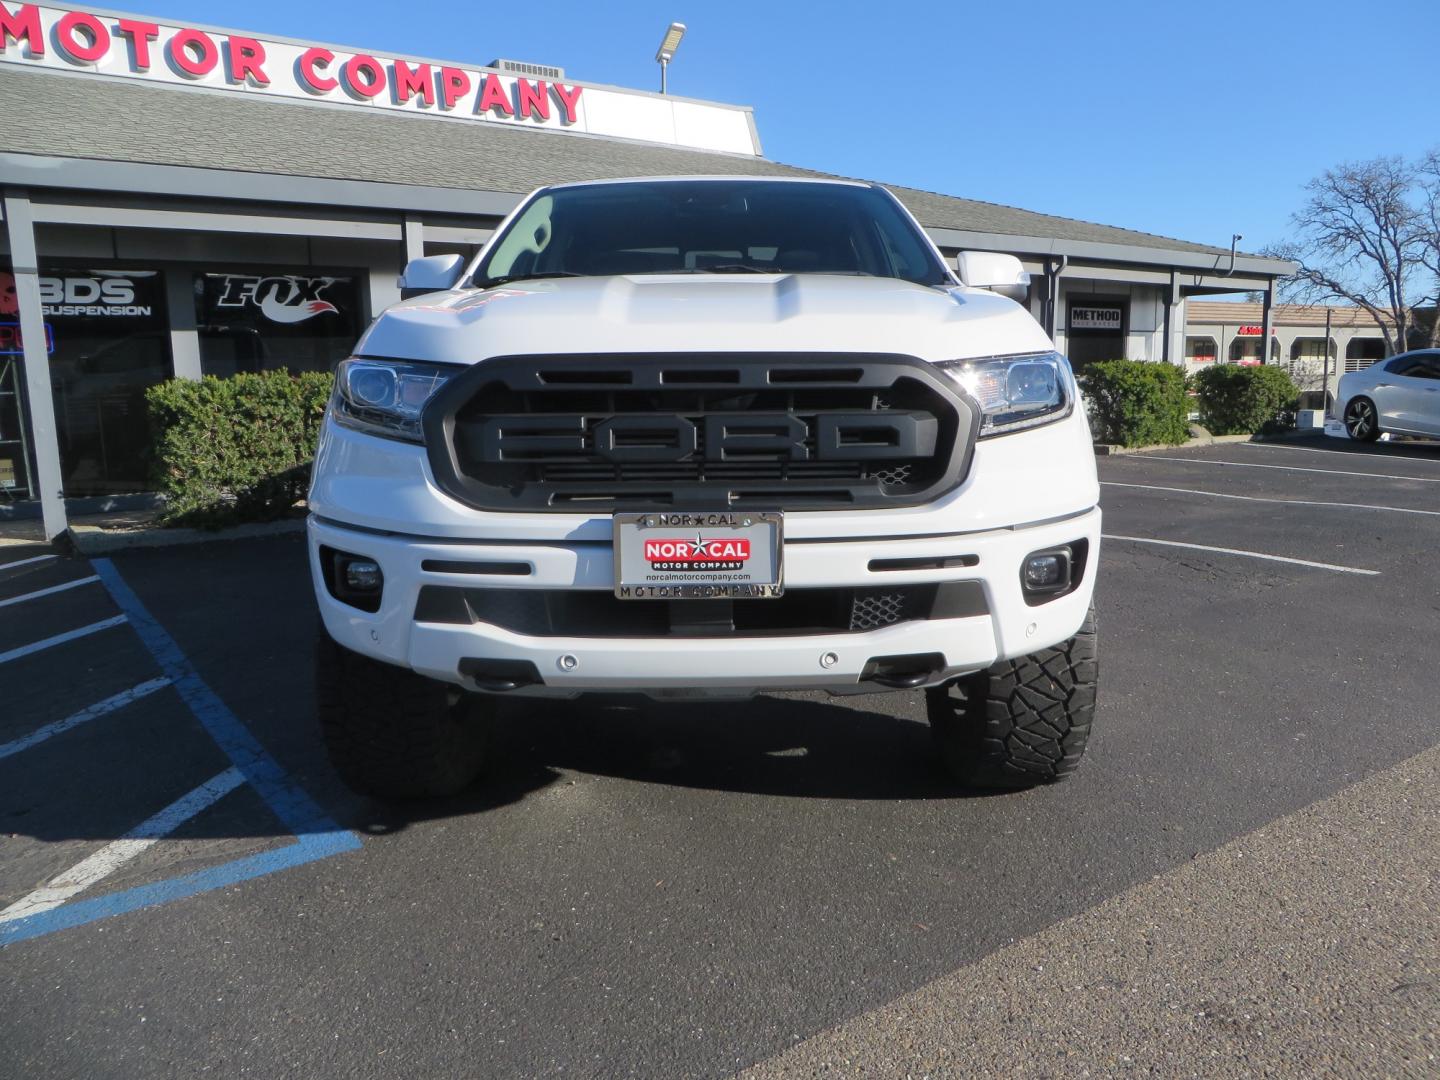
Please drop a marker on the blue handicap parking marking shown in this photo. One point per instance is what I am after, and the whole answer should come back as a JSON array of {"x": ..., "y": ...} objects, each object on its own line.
[
  {"x": 78, "y": 912},
  {"x": 317, "y": 836}
]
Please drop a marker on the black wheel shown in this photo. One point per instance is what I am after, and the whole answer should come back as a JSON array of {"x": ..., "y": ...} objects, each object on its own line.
[
  {"x": 394, "y": 734},
  {"x": 1362, "y": 422},
  {"x": 1022, "y": 722}
]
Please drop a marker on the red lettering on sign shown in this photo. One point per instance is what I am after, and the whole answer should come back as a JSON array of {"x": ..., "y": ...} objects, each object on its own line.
[
  {"x": 86, "y": 47},
  {"x": 245, "y": 56},
  {"x": 534, "y": 98},
  {"x": 193, "y": 53},
  {"x": 454, "y": 84},
  {"x": 408, "y": 82},
  {"x": 140, "y": 35},
  {"x": 493, "y": 96},
  {"x": 23, "y": 25},
  {"x": 569, "y": 99},
  {"x": 311, "y": 59},
  {"x": 736, "y": 550},
  {"x": 364, "y": 75}
]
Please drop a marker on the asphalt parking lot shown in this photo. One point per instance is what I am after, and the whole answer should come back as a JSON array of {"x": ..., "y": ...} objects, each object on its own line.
[{"x": 788, "y": 886}]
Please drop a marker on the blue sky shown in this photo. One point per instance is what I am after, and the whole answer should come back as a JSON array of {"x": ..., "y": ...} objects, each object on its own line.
[{"x": 1192, "y": 121}]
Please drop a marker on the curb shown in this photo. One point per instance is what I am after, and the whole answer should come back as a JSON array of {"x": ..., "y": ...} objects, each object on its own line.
[
  {"x": 93, "y": 540},
  {"x": 1110, "y": 449}
]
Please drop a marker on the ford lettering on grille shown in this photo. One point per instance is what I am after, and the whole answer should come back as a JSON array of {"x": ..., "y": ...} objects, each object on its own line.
[
  {"x": 605, "y": 433},
  {"x": 751, "y": 436}
]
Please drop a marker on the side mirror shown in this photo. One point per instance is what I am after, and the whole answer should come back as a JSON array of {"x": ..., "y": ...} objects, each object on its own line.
[
  {"x": 433, "y": 273},
  {"x": 990, "y": 270}
]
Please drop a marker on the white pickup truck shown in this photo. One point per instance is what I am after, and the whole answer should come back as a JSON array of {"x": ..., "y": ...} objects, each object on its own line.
[{"x": 704, "y": 438}]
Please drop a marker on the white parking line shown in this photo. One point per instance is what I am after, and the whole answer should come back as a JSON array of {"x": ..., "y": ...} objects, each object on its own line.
[
  {"x": 47, "y": 592},
  {"x": 27, "y": 562},
  {"x": 1246, "y": 554},
  {"x": 109, "y": 705},
  {"x": 60, "y": 639},
  {"x": 1290, "y": 468},
  {"x": 114, "y": 855},
  {"x": 1257, "y": 498}
]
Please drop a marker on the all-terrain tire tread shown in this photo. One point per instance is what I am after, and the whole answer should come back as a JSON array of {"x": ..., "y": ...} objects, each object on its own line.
[
  {"x": 1021, "y": 722},
  {"x": 391, "y": 733}
]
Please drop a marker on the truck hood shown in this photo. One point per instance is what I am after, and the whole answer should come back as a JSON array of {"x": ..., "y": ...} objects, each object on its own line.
[{"x": 704, "y": 313}]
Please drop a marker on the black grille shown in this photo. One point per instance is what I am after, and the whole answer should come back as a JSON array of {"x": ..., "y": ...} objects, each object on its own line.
[
  {"x": 588, "y": 613},
  {"x": 703, "y": 431},
  {"x": 872, "y": 609}
]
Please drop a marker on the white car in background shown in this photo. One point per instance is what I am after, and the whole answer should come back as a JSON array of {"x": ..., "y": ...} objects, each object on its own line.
[{"x": 1399, "y": 396}]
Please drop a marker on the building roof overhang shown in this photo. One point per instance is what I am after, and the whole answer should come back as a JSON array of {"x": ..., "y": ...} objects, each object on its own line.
[{"x": 197, "y": 144}]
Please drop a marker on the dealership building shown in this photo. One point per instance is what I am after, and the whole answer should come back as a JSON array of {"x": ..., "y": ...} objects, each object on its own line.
[
  {"x": 183, "y": 200},
  {"x": 1314, "y": 343}
]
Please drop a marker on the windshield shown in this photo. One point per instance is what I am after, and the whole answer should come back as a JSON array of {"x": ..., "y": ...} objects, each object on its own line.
[{"x": 711, "y": 227}]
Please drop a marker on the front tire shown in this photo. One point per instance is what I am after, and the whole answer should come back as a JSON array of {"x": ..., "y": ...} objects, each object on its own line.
[
  {"x": 1021, "y": 722},
  {"x": 393, "y": 734},
  {"x": 1362, "y": 421}
]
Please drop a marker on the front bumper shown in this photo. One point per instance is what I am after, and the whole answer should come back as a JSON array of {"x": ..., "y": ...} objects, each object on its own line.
[{"x": 713, "y": 666}]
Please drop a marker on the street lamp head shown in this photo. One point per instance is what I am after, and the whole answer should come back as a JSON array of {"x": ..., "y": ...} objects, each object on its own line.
[{"x": 670, "y": 43}]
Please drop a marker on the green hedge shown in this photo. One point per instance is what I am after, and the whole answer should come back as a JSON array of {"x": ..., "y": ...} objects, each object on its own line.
[
  {"x": 237, "y": 449},
  {"x": 1237, "y": 399},
  {"x": 1136, "y": 402}
]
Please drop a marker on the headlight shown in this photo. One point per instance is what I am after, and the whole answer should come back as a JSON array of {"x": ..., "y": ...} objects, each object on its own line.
[
  {"x": 384, "y": 397},
  {"x": 1016, "y": 392}
]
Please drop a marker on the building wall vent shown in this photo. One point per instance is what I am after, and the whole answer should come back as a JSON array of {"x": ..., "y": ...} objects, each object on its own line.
[{"x": 528, "y": 71}]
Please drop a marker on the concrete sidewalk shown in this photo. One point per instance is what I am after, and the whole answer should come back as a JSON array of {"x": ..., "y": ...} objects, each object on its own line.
[{"x": 1310, "y": 947}]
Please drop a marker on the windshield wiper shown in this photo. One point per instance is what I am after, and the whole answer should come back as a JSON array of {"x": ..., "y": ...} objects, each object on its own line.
[{"x": 505, "y": 279}]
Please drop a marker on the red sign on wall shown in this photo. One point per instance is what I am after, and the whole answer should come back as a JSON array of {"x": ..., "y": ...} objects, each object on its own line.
[{"x": 61, "y": 37}]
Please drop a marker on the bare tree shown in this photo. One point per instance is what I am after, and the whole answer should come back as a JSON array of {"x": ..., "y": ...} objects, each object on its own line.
[
  {"x": 1429, "y": 243},
  {"x": 1369, "y": 235}
]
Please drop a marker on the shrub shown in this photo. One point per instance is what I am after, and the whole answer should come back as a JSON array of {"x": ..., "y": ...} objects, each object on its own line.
[
  {"x": 1137, "y": 402},
  {"x": 1237, "y": 399},
  {"x": 236, "y": 449}
]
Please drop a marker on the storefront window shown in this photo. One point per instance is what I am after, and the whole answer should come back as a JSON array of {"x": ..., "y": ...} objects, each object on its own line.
[
  {"x": 1246, "y": 350},
  {"x": 1201, "y": 350},
  {"x": 109, "y": 342},
  {"x": 1310, "y": 349},
  {"x": 304, "y": 321},
  {"x": 1311, "y": 359},
  {"x": 1095, "y": 329}
]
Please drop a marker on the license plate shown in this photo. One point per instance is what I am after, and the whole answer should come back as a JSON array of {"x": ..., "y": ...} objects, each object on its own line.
[{"x": 698, "y": 556}]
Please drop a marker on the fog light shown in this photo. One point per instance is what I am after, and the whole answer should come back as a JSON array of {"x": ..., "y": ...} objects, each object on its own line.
[
  {"x": 362, "y": 575},
  {"x": 356, "y": 580},
  {"x": 1046, "y": 571}
]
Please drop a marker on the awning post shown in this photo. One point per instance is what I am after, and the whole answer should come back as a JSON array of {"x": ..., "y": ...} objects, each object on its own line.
[
  {"x": 20, "y": 230},
  {"x": 1267, "y": 322},
  {"x": 1173, "y": 300},
  {"x": 413, "y": 231}
]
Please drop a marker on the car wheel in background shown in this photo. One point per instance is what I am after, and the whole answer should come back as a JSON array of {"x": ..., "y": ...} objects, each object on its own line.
[{"x": 1362, "y": 422}]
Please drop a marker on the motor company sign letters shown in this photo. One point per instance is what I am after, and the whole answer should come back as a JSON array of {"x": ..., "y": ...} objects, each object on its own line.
[{"x": 133, "y": 47}]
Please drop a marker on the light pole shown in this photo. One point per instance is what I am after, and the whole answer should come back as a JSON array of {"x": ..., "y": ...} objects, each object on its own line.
[
  {"x": 668, "y": 44},
  {"x": 1325, "y": 379}
]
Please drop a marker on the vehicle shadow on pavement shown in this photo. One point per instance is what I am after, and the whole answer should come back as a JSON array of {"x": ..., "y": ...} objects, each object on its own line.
[{"x": 765, "y": 746}]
